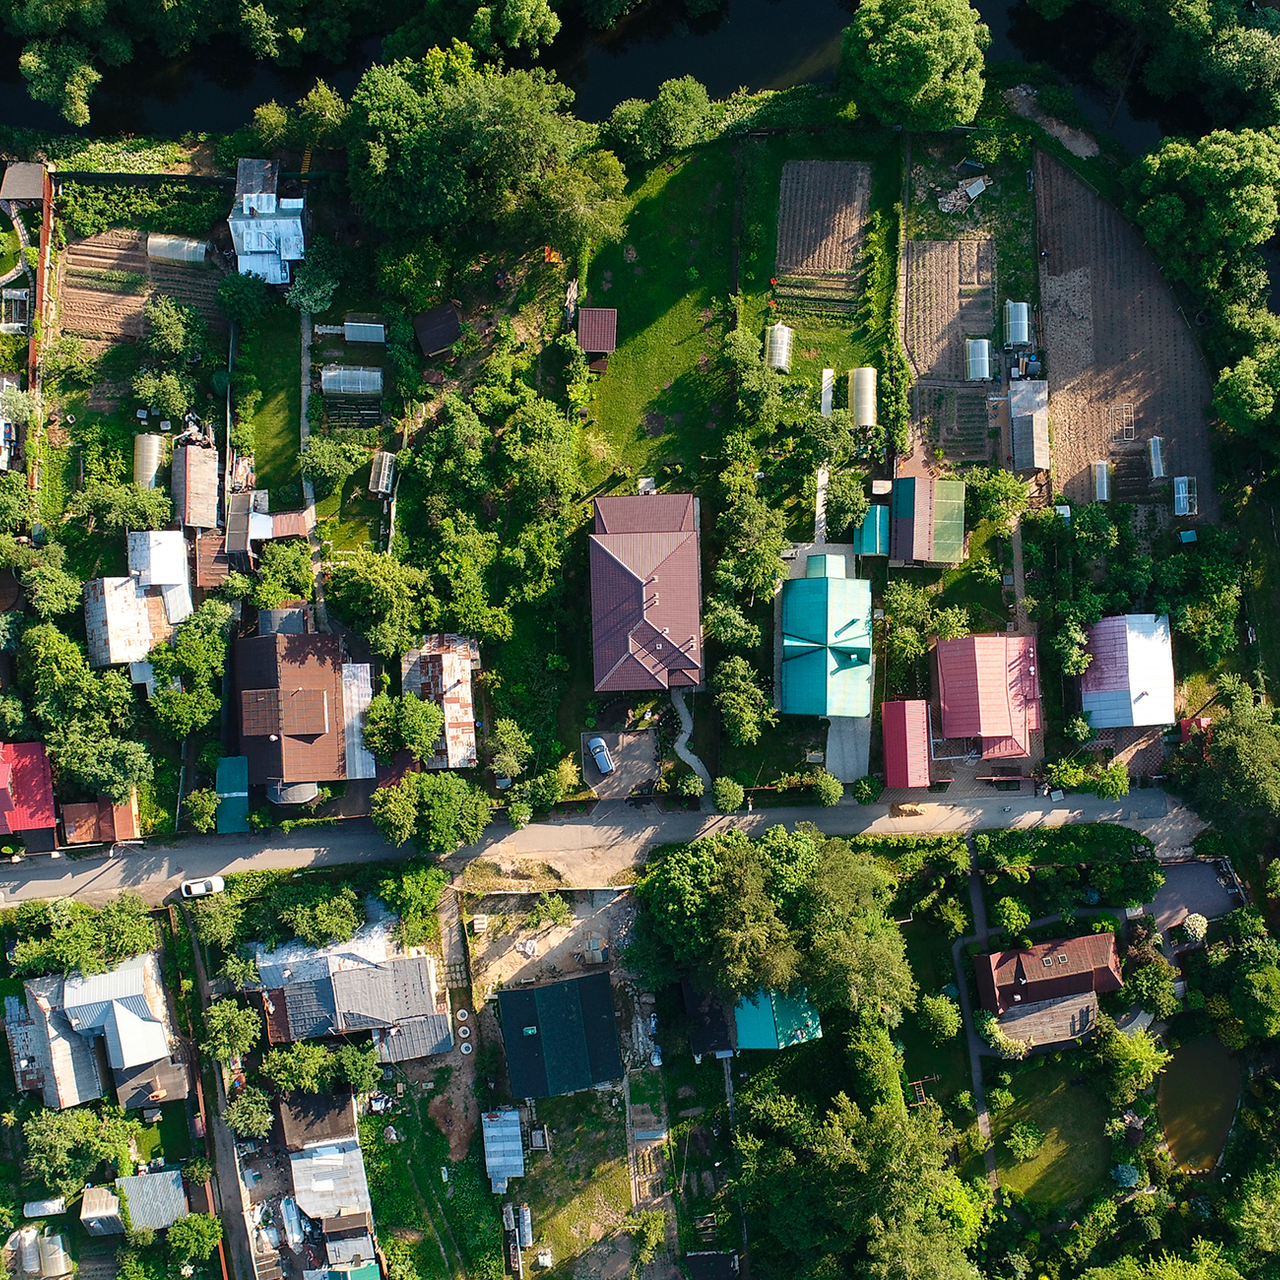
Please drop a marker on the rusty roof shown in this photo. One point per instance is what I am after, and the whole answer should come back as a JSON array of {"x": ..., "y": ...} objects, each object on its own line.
[
  {"x": 80, "y": 823},
  {"x": 1070, "y": 966},
  {"x": 440, "y": 669},
  {"x": 990, "y": 689},
  {"x": 194, "y": 481},
  {"x": 289, "y": 691},
  {"x": 646, "y": 593},
  {"x": 598, "y": 330},
  {"x": 212, "y": 565}
]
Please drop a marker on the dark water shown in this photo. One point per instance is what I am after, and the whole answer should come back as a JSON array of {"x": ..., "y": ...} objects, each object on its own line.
[
  {"x": 756, "y": 44},
  {"x": 1198, "y": 1094}
]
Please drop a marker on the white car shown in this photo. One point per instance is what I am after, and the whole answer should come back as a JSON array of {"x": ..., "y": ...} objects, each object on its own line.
[
  {"x": 600, "y": 754},
  {"x": 203, "y": 888}
]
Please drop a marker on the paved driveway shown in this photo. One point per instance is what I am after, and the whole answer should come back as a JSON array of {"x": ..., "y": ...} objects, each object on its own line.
[
  {"x": 1192, "y": 887},
  {"x": 635, "y": 761},
  {"x": 849, "y": 747}
]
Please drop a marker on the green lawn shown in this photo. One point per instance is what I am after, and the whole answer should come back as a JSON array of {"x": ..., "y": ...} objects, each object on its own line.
[
  {"x": 277, "y": 358},
  {"x": 175, "y": 1133},
  {"x": 929, "y": 954},
  {"x": 663, "y": 398},
  {"x": 351, "y": 520},
  {"x": 1073, "y": 1162},
  {"x": 8, "y": 246}
]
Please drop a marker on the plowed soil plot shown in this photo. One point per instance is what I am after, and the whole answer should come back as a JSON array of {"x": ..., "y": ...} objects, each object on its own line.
[
  {"x": 948, "y": 300},
  {"x": 105, "y": 281},
  {"x": 1114, "y": 338},
  {"x": 821, "y": 213}
]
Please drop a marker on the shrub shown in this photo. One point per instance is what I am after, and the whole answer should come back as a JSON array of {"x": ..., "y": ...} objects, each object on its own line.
[
  {"x": 729, "y": 795},
  {"x": 1125, "y": 1175},
  {"x": 940, "y": 1017},
  {"x": 999, "y": 1099},
  {"x": 827, "y": 788},
  {"x": 989, "y": 1028},
  {"x": 1195, "y": 926},
  {"x": 691, "y": 785},
  {"x": 1024, "y": 1140},
  {"x": 202, "y": 807},
  {"x": 867, "y": 790}
]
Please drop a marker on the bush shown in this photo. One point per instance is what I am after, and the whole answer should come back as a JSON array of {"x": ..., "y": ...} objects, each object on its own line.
[
  {"x": 940, "y": 1017},
  {"x": 1195, "y": 926},
  {"x": 989, "y": 1028},
  {"x": 999, "y": 1099},
  {"x": 867, "y": 790},
  {"x": 729, "y": 795},
  {"x": 827, "y": 788},
  {"x": 691, "y": 785},
  {"x": 202, "y": 808},
  {"x": 1024, "y": 1140}
]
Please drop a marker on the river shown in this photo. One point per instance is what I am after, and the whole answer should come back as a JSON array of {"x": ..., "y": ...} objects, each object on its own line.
[{"x": 759, "y": 44}]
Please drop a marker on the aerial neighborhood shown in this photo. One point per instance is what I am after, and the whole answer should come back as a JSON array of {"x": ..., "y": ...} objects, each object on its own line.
[{"x": 607, "y": 672}]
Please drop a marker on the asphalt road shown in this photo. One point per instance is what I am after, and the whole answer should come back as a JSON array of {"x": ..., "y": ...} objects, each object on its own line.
[{"x": 586, "y": 849}]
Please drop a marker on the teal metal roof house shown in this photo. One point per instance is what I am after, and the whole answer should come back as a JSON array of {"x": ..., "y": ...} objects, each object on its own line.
[
  {"x": 871, "y": 537},
  {"x": 826, "y": 642},
  {"x": 775, "y": 1020},
  {"x": 927, "y": 521},
  {"x": 233, "y": 794}
]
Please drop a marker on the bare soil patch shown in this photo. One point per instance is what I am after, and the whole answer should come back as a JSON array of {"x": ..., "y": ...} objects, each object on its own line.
[
  {"x": 1023, "y": 102},
  {"x": 949, "y": 299},
  {"x": 1115, "y": 337},
  {"x": 821, "y": 212}
]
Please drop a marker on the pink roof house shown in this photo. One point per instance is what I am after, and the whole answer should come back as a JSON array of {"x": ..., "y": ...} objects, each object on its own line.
[{"x": 989, "y": 689}]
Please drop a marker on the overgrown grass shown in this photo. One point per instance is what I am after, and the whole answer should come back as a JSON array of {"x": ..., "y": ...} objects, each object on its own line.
[
  {"x": 351, "y": 520},
  {"x": 277, "y": 359},
  {"x": 929, "y": 954},
  {"x": 408, "y": 1235},
  {"x": 1072, "y": 1164}
]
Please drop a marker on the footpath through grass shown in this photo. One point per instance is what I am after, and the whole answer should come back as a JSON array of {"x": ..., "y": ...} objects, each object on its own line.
[{"x": 277, "y": 358}]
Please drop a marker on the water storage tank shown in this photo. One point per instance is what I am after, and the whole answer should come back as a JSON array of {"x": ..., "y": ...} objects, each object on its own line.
[
  {"x": 777, "y": 347},
  {"x": 862, "y": 397},
  {"x": 977, "y": 360},
  {"x": 148, "y": 450},
  {"x": 176, "y": 249},
  {"x": 1017, "y": 324}
]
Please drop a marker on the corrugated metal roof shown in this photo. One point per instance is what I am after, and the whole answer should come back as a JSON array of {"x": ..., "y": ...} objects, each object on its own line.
[
  {"x": 1130, "y": 681},
  {"x": 315, "y": 1119},
  {"x": 357, "y": 694},
  {"x": 385, "y": 995},
  {"x": 412, "y": 1038},
  {"x": 330, "y": 1179},
  {"x": 905, "y": 726},
  {"x": 440, "y": 669},
  {"x": 871, "y": 537},
  {"x": 826, "y": 644},
  {"x": 122, "y": 623},
  {"x": 503, "y": 1147},
  {"x": 118, "y": 1006},
  {"x": 195, "y": 486},
  {"x": 30, "y": 788},
  {"x": 989, "y": 688},
  {"x": 212, "y": 565},
  {"x": 154, "y": 1200},
  {"x": 598, "y": 330},
  {"x": 233, "y": 794}
]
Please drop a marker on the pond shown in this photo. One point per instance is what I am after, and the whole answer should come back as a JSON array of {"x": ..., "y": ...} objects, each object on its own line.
[{"x": 1198, "y": 1095}]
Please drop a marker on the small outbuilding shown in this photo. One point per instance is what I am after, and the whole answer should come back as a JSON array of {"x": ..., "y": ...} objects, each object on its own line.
[
  {"x": 503, "y": 1147},
  {"x": 871, "y": 537},
  {"x": 926, "y": 521},
  {"x": 438, "y": 329},
  {"x": 351, "y": 380},
  {"x": 598, "y": 330},
  {"x": 1029, "y": 424},
  {"x": 358, "y": 327},
  {"x": 233, "y": 794},
  {"x": 1130, "y": 681},
  {"x": 1017, "y": 324},
  {"x": 862, "y": 396},
  {"x": 195, "y": 485},
  {"x": 778, "y": 339},
  {"x": 905, "y": 726},
  {"x": 977, "y": 360},
  {"x": 23, "y": 182}
]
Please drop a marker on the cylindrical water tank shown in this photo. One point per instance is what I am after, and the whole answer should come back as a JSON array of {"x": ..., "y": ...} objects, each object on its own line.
[
  {"x": 176, "y": 248},
  {"x": 147, "y": 453},
  {"x": 29, "y": 1250},
  {"x": 777, "y": 347},
  {"x": 862, "y": 397}
]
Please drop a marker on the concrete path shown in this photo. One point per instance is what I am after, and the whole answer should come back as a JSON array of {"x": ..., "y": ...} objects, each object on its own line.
[
  {"x": 681, "y": 747},
  {"x": 848, "y": 755},
  {"x": 587, "y": 850},
  {"x": 975, "y": 1043},
  {"x": 820, "y": 505}
]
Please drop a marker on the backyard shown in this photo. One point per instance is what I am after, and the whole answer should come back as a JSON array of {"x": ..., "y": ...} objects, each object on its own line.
[
  {"x": 943, "y": 1069},
  {"x": 277, "y": 362},
  {"x": 1072, "y": 1163}
]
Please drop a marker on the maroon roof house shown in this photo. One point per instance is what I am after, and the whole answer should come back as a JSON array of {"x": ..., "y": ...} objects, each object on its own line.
[
  {"x": 646, "y": 593},
  {"x": 598, "y": 330},
  {"x": 1049, "y": 992}
]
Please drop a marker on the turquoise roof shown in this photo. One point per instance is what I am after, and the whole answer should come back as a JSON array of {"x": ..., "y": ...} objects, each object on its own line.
[
  {"x": 871, "y": 537},
  {"x": 826, "y": 643},
  {"x": 775, "y": 1020},
  {"x": 233, "y": 794}
]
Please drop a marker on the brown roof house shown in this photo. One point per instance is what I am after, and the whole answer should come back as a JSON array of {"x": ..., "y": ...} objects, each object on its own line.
[
  {"x": 101, "y": 823},
  {"x": 194, "y": 484},
  {"x": 440, "y": 669},
  {"x": 1050, "y": 992},
  {"x": 646, "y": 593}
]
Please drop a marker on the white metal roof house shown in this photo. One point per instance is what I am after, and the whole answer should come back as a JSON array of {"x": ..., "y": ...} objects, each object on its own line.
[
  {"x": 329, "y": 1180},
  {"x": 503, "y": 1147},
  {"x": 125, "y": 618},
  {"x": 1130, "y": 680},
  {"x": 266, "y": 230}
]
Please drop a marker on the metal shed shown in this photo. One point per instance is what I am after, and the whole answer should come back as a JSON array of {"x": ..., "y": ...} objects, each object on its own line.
[
  {"x": 777, "y": 347},
  {"x": 1101, "y": 482},
  {"x": 350, "y": 380},
  {"x": 1029, "y": 424},
  {"x": 977, "y": 359},
  {"x": 176, "y": 249},
  {"x": 363, "y": 328},
  {"x": 862, "y": 396},
  {"x": 503, "y": 1147},
  {"x": 148, "y": 450},
  {"x": 1017, "y": 324}
]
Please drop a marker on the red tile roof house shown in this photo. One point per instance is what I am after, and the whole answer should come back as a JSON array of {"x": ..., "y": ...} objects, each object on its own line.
[
  {"x": 905, "y": 726},
  {"x": 1049, "y": 993},
  {"x": 646, "y": 593},
  {"x": 26, "y": 795},
  {"x": 989, "y": 689}
]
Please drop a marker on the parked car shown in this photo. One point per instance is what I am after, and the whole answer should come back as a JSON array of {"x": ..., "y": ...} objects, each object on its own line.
[
  {"x": 203, "y": 888},
  {"x": 600, "y": 754}
]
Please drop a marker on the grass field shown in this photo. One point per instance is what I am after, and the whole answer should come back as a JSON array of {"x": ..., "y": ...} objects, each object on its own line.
[
  {"x": 277, "y": 357},
  {"x": 1072, "y": 1164},
  {"x": 350, "y": 520}
]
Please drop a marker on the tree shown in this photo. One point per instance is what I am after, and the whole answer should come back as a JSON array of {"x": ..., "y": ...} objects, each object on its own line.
[
  {"x": 329, "y": 462},
  {"x": 510, "y": 748},
  {"x": 304, "y": 1067},
  {"x": 916, "y": 62},
  {"x": 249, "y": 1113},
  {"x": 359, "y": 1067},
  {"x": 440, "y": 811},
  {"x": 51, "y": 590},
  {"x": 407, "y": 723},
  {"x": 181, "y": 712},
  {"x": 729, "y": 795},
  {"x": 196, "y": 1236},
  {"x": 124, "y": 506},
  {"x": 322, "y": 115},
  {"x": 744, "y": 706},
  {"x": 65, "y": 1148},
  {"x": 17, "y": 501},
  {"x": 1131, "y": 1061},
  {"x": 847, "y": 502},
  {"x": 1205, "y": 1262},
  {"x": 991, "y": 493},
  {"x": 940, "y": 1017},
  {"x": 176, "y": 333},
  {"x": 65, "y": 935},
  {"x": 202, "y": 809},
  {"x": 1024, "y": 1140},
  {"x": 167, "y": 391},
  {"x": 1012, "y": 915},
  {"x": 580, "y": 204},
  {"x": 867, "y": 790},
  {"x": 113, "y": 767},
  {"x": 231, "y": 1029},
  {"x": 382, "y": 597},
  {"x": 1151, "y": 985},
  {"x": 725, "y": 622},
  {"x": 549, "y": 909},
  {"x": 317, "y": 278},
  {"x": 414, "y": 893},
  {"x": 1257, "y": 1000},
  {"x": 394, "y": 810},
  {"x": 198, "y": 1171},
  {"x": 827, "y": 788},
  {"x": 284, "y": 573},
  {"x": 246, "y": 299},
  {"x": 673, "y": 121},
  {"x": 61, "y": 73},
  {"x": 320, "y": 913},
  {"x": 1255, "y": 1214}
]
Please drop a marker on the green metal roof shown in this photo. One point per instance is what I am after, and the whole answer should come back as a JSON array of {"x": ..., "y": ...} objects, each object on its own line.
[
  {"x": 826, "y": 642},
  {"x": 233, "y": 794},
  {"x": 948, "y": 521},
  {"x": 871, "y": 537}
]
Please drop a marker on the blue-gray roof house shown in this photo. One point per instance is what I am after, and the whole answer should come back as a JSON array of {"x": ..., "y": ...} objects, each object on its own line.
[
  {"x": 154, "y": 1200},
  {"x": 503, "y": 1147}
]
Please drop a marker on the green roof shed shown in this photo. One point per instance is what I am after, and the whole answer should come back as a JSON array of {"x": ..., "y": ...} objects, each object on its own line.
[
  {"x": 233, "y": 794},
  {"x": 826, "y": 642},
  {"x": 871, "y": 537}
]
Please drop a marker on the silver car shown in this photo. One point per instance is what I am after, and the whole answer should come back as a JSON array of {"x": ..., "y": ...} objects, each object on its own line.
[{"x": 600, "y": 754}]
